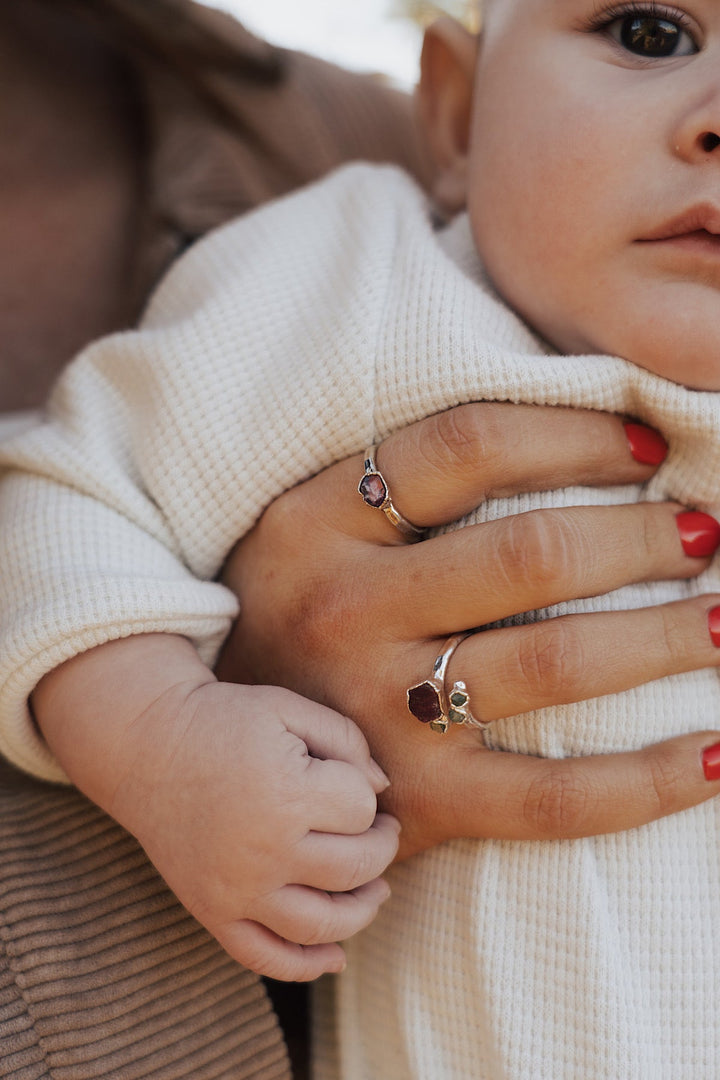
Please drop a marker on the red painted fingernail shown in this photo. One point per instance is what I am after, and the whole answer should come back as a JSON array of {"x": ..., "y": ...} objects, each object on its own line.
[
  {"x": 646, "y": 444},
  {"x": 699, "y": 533},
  {"x": 711, "y": 762},
  {"x": 714, "y": 625}
]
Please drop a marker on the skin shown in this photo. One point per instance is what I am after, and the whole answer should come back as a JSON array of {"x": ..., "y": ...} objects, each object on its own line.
[
  {"x": 572, "y": 97},
  {"x": 320, "y": 618},
  {"x": 152, "y": 764},
  {"x": 608, "y": 148}
]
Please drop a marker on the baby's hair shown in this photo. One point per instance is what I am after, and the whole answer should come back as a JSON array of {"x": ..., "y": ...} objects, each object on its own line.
[{"x": 467, "y": 12}]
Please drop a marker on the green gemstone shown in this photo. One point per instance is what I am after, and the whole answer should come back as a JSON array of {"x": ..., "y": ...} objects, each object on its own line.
[
  {"x": 456, "y": 717},
  {"x": 440, "y": 726},
  {"x": 459, "y": 698}
]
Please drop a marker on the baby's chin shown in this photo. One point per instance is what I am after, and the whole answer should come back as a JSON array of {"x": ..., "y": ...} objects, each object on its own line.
[
  {"x": 684, "y": 348},
  {"x": 683, "y": 354}
]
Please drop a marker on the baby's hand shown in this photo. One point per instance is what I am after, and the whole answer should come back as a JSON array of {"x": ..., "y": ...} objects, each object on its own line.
[
  {"x": 261, "y": 816},
  {"x": 257, "y": 806}
]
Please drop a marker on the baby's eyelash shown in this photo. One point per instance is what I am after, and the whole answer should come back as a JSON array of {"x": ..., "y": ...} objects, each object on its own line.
[{"x": 602, "y": 16}]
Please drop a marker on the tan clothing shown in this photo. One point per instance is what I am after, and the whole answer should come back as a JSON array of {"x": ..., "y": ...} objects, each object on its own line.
[
  {"x": 102, "y": 973},
  {"x": 263, "y": 125}
]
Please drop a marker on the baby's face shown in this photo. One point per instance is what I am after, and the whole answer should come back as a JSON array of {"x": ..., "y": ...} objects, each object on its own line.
[{"x": 593, "y": 178}]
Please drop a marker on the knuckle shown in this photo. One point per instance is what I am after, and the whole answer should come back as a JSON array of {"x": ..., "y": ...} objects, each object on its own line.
[
  {"x": 670, "y": 636},
  {"x": 552, "y": 662},
  {"x": 287, "y": 969},
  {"x": 652, "y": 532},
  {"x": 364, "y": 868},
  {"x": 664, "y": 776},
  {"x": 254, "y": 955},
  {"x": 557, "y": 803},
  {"x": 539, "y": 548},
  {"x": 461, "y": 439},
  {"x": 322, "y": 929}
]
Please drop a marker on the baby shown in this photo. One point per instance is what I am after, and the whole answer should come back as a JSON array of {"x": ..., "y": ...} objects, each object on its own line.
[{"x": 584, "y": 143}]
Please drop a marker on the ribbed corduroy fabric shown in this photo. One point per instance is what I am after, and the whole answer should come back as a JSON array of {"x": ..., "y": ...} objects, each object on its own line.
[{"x": 103, "y": 975}]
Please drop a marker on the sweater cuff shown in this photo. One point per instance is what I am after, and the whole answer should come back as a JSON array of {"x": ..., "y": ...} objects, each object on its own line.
[{"x": 21, "y": 741}]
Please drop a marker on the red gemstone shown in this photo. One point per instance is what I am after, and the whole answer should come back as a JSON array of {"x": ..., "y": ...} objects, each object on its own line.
[
  {"x": 424, "y": 702},
  {"x": 373, "y": 490}
]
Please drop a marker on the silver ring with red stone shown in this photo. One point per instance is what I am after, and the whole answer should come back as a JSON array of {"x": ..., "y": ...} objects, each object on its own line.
[
  {"x": 429, "y": 701},
  {"x": 375, "y": 492}
]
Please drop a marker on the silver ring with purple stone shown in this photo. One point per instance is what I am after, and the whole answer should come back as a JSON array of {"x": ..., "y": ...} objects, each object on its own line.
[
  {"x": 430, "y": 703},
  {"x": 375, "y": 492}
]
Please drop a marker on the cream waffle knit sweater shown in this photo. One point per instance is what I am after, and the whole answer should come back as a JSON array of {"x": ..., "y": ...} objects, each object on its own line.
[{"x": 280, "y": 344}]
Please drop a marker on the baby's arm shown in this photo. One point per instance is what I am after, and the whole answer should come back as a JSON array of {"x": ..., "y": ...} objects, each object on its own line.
[{"x": 257, "y": 806}]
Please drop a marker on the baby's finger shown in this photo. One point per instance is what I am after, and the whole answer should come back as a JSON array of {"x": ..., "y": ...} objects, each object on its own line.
[
  {"x": 264, "y": 952},
  {"x": 330, "y": 736},
  {"x": 339, "y": 798},
  {"x": 341, "y": 863},
  {"x": 441, "y": 467},
  {"x": 313, "y": 917},
  {"x": 576, "y": 657},
  {"x": 543, "y": 557}
]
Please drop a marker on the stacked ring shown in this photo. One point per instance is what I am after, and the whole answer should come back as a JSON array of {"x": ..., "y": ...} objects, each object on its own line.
[{"x": 431, "y": 703}]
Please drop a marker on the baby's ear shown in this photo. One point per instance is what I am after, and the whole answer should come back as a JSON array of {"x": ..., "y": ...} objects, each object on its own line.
[{"x": 444, "y": 103}]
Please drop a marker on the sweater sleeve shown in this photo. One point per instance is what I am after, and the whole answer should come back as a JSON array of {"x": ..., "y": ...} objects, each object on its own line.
[
  {"x": 252, "y": 370},
  {"x": 86, "y": 550}
]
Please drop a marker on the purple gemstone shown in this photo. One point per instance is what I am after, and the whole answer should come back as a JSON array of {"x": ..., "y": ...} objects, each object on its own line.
[
  {"x": 373, "y": 490},
  {"x": 424, "y": 702}
]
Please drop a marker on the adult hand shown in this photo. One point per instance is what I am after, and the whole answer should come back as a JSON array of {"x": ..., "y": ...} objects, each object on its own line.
[{"x": 338, "y": 607}]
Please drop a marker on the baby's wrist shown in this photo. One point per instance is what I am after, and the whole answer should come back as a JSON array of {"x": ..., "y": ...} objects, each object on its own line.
[{"x": 112, "y": 707}]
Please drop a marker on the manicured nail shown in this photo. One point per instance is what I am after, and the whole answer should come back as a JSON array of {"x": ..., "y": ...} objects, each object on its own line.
[
  {"x": 699, "y": 533},
  {"x": 711, "y": 762},
  {"x": 646, "y": 444},
  {"x": 714, "y": 625}
]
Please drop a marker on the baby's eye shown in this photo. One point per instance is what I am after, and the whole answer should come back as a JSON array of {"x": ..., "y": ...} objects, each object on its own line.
[{"x": 651, "y": 36}]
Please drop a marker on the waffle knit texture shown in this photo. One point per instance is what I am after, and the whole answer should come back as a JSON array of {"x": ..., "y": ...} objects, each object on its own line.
[{"x": 282, "y": 343}]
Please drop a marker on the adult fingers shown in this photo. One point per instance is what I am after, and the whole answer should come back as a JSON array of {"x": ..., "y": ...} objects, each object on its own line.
[
  {"x": 536, "y": 559},
  {"x": 339, "y": 863},
  {"x": 445, "y": 465},
  {"x": 516, "y": 797},
  {"x": 265, "y": 952},
  {"x": 312, "y": 917},
  {"x": 494, "y": 449},
  {"x": 574, "y": 657}
]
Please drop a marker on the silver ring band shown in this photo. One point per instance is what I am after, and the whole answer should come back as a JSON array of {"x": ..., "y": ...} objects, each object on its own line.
[
  {"x": 429, "y": 701},
  {"x": 375, "y": 491}
]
